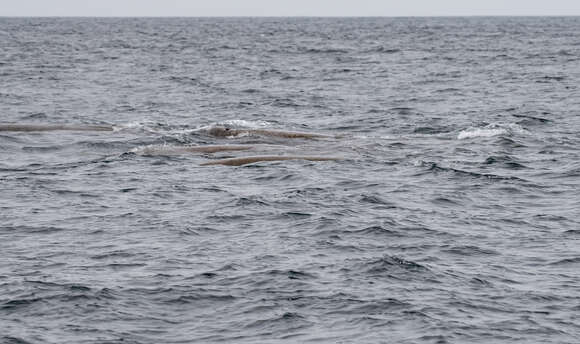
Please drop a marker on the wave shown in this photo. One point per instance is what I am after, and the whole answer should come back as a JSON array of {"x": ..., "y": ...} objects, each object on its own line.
[
  {"x": 434, "y": 167},
  {"x": 13, "y": 340},
  {"x": 567, "y": 261},
  {"x": 532, "y": 119},
  {"x": 34, "y": 229},
  {"x": 389, "y": 266},
  {"x": 376, "y": 231},
  {"x": 470, "y": 250},
  {"x": 328, "y": 50},
  {"x": 491, "y": 130},
  {"x": 505, "y": 161},
  {"x": 384, "y": 50}
]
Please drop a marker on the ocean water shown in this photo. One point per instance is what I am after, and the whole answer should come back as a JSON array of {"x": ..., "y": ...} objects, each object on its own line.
[{"x": 452, "y": 216}]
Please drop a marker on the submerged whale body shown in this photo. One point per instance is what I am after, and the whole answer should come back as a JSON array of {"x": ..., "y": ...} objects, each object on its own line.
[
  {"x": 252, "y": 159},
  {"x": 53, "y": 127},
  {"x": 168, "y": 150},
  {"x": 220, "y": 131}
]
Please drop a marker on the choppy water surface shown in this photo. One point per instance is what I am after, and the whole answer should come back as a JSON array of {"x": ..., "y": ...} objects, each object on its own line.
[{"x": 453, "y": 216}]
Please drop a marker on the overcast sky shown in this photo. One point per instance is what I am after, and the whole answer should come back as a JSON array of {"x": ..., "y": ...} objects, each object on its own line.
[{"x": 286, "y": 7}]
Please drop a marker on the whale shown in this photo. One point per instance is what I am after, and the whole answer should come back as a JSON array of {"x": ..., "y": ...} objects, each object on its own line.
[
  {"x": 252, "y": 159},
  {"x": 169, "y": 150},
  {"x": 53, "y": 127},
  {"x": 220, "y": 131}
]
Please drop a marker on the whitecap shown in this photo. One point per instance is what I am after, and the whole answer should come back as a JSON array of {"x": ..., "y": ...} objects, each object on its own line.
[{"x": 491, "y": 130}]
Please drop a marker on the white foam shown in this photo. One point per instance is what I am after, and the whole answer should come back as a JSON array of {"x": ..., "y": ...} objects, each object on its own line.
[
  {"x": 146, "y": 125},
  {"x": 491, "y": 130},
  {"x": 241, "y": 123},
  {"x": 475, "y": 132},
  {"x": 150, "y": 149},
  {"x": 159, "y": 149}
]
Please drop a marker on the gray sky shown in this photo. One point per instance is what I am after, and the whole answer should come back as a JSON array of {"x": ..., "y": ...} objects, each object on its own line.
[{"x": 286, "y": 7}]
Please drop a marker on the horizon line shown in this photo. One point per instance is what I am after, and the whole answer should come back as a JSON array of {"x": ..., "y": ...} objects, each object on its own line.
[{"x": 305, "y": 16}]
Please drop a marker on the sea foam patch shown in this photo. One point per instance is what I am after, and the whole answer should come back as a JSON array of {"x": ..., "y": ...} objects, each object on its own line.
[
  {"x": 241, "y": 123},
  {"x": 491, "y": 130},
  {"x": 149, "y": 126}
]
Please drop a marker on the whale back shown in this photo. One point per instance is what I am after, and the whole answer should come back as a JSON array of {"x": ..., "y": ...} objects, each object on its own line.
[
  {"x": 252, "y": 159},
  {"x": 52, "y": 127},
  {"x": 219, "y": 131}
]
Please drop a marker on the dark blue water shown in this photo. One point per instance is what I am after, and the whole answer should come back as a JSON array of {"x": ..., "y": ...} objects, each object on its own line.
[{"x": 452, "y": 217}]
